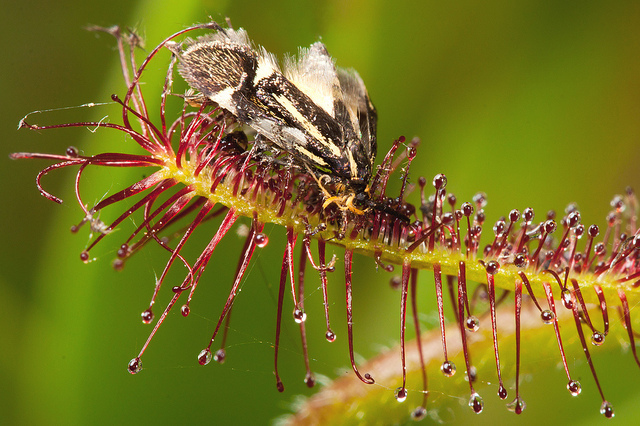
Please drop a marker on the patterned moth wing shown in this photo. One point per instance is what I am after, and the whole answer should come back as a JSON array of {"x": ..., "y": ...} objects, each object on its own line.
[{"x": 319, "y": 114}]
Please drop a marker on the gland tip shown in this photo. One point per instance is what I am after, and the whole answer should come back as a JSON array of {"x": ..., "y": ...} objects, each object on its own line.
[
  {"x": 419, "y": 413},
  {"x": 147, "y": 316},
  {"x": 517, "y": 405},
  {"x": 574, "y": 387},
  {"x": 135, "y": 365},
  {"x": 401, "y": 394},
  {"x": 204, "y": 357},
  {"x": 476, "y": 403},
  {"x": 448, "y": 368},
  {"x": 606, "y": 409}
]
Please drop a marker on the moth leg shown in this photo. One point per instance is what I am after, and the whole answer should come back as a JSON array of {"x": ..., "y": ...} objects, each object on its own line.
[
  {"x": 353, "y": 208},
  {"x": 333, "y": 200}
]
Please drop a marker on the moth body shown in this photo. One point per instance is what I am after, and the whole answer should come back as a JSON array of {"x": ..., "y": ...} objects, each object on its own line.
[{"x": 319, "y": 114}]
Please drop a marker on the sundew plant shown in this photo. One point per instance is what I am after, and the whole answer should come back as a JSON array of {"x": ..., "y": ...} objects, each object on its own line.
[{"x": 512, "y": 293}]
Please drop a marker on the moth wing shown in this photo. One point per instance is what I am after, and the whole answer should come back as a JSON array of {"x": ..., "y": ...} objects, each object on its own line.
[
  {"x": 219, "y": 65},
  {"x": 362, "y": 113},
  {"x": 314, "y": 73},
  {"x": 293, "y": 121}
]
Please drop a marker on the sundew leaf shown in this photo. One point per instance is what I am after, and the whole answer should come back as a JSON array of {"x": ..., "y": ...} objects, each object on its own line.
[{"x": 347, "y": 401}]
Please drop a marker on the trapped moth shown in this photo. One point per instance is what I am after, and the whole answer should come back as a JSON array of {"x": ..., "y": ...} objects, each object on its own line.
[{"x": 319, "y": 114}]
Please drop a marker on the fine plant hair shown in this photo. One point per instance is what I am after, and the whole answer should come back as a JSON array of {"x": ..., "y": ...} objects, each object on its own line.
[{"x": 203, "y": 165}]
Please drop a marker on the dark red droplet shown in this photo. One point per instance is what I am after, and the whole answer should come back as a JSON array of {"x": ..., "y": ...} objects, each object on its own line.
[
  {"x": 185, "y": 310},
  {"x": 574, "y": 387},
  {"x": 204, "y": 357},
  {"x": 220, "y": 356},
  {"x": 72, "y": 151},
  {"x": 476, "y": 403},
  {"x": 547, "y": 316},
  {"x": 147, "y": 316},
  {"x": 467, "y": 209},
  {"x": 492, "y": 267},
  {"x": 607, "y": 410},
  {"x": 401, "y": 394},
  {"x": 502, "y": 392},
  {"x": 448, "y": 368},
  {"x": 528, "y": 214},
  {"x": 440, "y": 181},
  {"x": 135, "y": 365},
  {"x": 123, "y": 251},
  {"x": 118, "y": 264},
  {"x": 309, "y": 380},
  {"x": 330, "y": 336}
]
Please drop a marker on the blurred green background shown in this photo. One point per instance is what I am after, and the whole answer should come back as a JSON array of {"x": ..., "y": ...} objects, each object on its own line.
[{"x": 535, "y": 103}]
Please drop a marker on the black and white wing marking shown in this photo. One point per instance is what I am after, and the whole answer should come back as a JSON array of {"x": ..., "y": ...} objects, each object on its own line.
[
  {"x": 320, "y": 115},
  {"x": 363, "y": 116}
]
